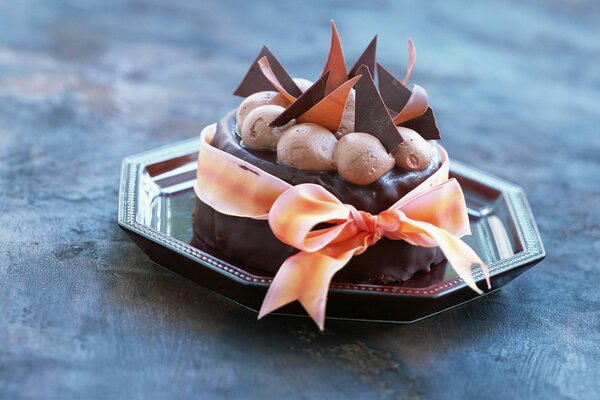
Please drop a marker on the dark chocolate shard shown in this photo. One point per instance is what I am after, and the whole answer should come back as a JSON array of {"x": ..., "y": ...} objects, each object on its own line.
[
  {"x": 371, "y": 114},
  {"x": 366, "y": 58},
  {"x": 254, "y": 81},
  {"x": 305, "y": 102},
  {"x": 394, "y": 94},
  {"x": 424, "y": 125}
]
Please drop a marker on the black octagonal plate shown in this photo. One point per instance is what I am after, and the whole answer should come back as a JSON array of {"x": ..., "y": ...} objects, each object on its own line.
[{"x": 155, "y": 209}]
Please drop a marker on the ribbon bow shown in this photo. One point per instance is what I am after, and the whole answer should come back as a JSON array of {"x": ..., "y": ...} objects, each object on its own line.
[
  {"x": 432, "y": 214},
  {"x": 437, "y": 217}
]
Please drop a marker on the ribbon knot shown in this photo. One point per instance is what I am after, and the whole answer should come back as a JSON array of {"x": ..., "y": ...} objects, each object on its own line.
[{"x": 367, "y": 223}]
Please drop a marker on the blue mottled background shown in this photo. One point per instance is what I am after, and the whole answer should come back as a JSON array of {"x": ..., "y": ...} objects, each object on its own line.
[{"x": 84, "y": 314}]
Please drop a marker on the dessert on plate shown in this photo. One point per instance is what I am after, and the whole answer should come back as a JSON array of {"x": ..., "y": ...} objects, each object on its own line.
[{"x": 340, "y": 178}]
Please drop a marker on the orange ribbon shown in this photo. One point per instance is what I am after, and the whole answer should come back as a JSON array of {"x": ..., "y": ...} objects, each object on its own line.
[
  {"x": 434, "y": 218},
  {"x": 433, "y": 214}
]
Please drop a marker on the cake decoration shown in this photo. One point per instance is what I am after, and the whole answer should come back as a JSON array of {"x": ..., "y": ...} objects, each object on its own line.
[
  {"x": 414, "y": 153},
  {"x": 256, "y": 132},
  {"x": 307, "y": 146},
  {"x": 336, "y": 63},
  {"x": 361, "y": 158},
  {"x": 269, "y": 74},
  {"x": 256, "y": 100},
  {"x": 366, "y": 58},
  {"x": 343, "y": 168},
  {"x": 306, "y": 275},
  {"x": 371, "y": 114},
  {"x": 393, "y": 92},
  {"x": 348, "y": 116},
  {"x": 254, "y": 80},
  {"x": 305, "y": 102},
  {"x": 329, "y": 111},
  {"x": 425, "y": 125},
  {"x": 412, "y": 58},
  {"x": 417, "y": 105},
  {"x": 396, "y": 96}
]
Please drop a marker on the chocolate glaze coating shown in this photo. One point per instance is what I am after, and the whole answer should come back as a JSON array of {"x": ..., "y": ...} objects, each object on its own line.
[
  {"x": 251, "y": 241},
  {"x": 372, "y": 198}
]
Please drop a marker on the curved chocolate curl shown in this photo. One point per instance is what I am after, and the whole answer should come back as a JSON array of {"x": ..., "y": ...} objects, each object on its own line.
[
  {"x": 417, "y": 105},
  {"x": 412, "y": 58},
  {"x": 371, "y": 114},
  {"x": 305, "y": 102},
  {"x": 366, "y": 58},
  {"x": 336, "y": 63},
  {"x": 254, "y": 81},
  {"x": 396, "y": 96},
  {"x": 268, "y": 73},
  {"x": 329, "y": 111}
]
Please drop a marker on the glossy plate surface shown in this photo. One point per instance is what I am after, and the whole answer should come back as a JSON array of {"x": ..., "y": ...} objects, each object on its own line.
[{"x": 156, "y": 200}]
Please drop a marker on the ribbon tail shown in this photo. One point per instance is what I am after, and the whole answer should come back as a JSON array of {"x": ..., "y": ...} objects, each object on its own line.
[
  {"x": 460, "y": 256},
  {"x": 304, "y": 277}
]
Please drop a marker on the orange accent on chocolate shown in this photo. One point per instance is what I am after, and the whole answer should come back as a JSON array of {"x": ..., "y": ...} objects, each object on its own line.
[
  {"x": 329, "y": 111},
  {"x": 412, "y": 58},
  {"x": 336, "y": 63},
  {"x": 265, "y": 68}
]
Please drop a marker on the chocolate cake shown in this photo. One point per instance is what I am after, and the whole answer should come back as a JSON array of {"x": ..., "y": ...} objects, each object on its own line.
[
  {"x": 252, "y": 242},
  {"x": 368, "y": 146}
]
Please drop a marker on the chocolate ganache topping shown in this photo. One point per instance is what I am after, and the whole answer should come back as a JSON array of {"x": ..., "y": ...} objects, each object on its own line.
[{"x": 372, "y": 198}]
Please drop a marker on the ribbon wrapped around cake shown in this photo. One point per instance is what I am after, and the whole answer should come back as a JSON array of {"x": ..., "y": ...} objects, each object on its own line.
[{"x": 433, "y": 214}]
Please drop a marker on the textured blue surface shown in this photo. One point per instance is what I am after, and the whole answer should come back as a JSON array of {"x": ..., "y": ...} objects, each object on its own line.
[{"x": 84, "y": 314}]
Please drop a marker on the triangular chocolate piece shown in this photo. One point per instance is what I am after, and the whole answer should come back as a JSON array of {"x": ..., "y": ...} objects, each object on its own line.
[
  {"x": 329, "y": 111},
  {"x": 371, "y": 114},
  {"x": 254, "y": 81},
  {"x": 366, "y": 58},
  {"x": 336, "y": 63},
  {"x": 305, "y": 102},
  {"x": 424, "y": 125},
  {"x": 393, "y": 92}
]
